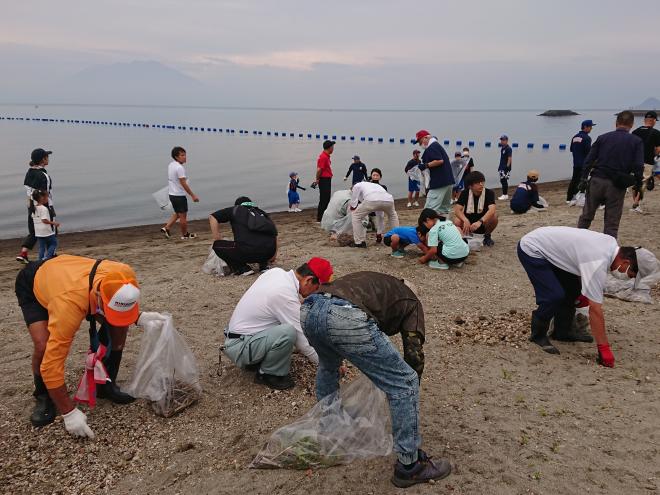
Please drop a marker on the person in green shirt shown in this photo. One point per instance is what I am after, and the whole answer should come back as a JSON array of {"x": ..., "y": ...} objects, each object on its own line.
[{"x": 446, "y": 245}]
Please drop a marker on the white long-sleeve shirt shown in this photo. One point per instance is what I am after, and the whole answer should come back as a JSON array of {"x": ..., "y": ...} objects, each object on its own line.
[
  {"x": 369, "y": 191},
  {"x": 272, "y": 300}
]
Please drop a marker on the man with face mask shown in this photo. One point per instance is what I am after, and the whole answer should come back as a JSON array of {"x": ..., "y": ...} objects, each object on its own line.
[
  {"x": 564, "y": 262},
  {"x": 55, "y": 296},
  {"x": 265, "y": 325},
  {"x": 436, "y": 160}
]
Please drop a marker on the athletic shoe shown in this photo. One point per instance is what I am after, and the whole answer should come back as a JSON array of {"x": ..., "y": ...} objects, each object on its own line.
[
  {"x": 165, "y": 232},
  {"x": 488, "y": 241},
  {"x": 397, "y": 254},
  {"x": 275, "y": 382},
  {"x": 415, "y": 203},
  {"x": 22, "y": 257},
  {"x": 571, "y": 202},
  {"x": 291, "y": 210},
  {"x": 244, "y": 272},
  {"x": 458, "y": 265},
  {"x": 637, "y": 209},
  {"x": 188, "y": 235},
  {"x": 361, "y": 245},
  {"x": 601, "y": 207},
  {"x": 436, "y": 265},
  {"x": 298, "y": 210},
  {"x": 409, "y": 204},
  {"x": 504, "y": 197},
  {"x": 422, "y": 471},
  {"x": 534, "y": 208},
  {"x": 379, "y": 238}
]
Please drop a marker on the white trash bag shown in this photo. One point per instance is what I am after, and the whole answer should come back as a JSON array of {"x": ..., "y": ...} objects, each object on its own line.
[
  {"x": 162, "y": 198},
  {"x": 475, "y": 242},
  {"x": 351, "y": 424},
  {"x": 166, "y": 372},
  {"x": 580, "y": 198},
  {"x": 215, "y": 265}
]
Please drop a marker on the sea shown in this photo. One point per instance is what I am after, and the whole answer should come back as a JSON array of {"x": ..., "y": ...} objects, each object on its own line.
[{"x": 108, "y": 161}]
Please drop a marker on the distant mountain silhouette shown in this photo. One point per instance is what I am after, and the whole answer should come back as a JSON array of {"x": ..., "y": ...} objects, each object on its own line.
[
  {"x": 648, "y": 104},
  {"x": 137, "y": 82}
]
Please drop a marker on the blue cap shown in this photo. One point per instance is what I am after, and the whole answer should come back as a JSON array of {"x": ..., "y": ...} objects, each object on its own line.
[{"x": 588, "y": 123}]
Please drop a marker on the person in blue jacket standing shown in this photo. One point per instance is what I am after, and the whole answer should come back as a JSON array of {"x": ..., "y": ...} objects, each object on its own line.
[
  {"x": 435, "y": 158},
  {"x": 580, "y": 146}
]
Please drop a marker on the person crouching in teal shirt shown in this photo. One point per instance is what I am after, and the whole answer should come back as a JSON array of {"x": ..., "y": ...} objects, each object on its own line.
[{"x": 444, "y": 240}]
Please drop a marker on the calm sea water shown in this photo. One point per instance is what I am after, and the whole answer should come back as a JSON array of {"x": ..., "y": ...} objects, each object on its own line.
[{"x": 104, "y": 176}]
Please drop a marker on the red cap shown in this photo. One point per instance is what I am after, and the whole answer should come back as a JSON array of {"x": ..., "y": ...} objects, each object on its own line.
[
  {"x": 421, "y": 134},
  {"x": 321, "y": 268}
]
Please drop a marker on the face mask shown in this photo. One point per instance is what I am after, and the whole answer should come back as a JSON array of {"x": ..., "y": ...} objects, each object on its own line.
[{"x": 619, "y": 275}]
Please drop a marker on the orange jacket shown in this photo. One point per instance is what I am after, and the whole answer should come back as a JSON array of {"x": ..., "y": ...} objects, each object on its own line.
[{"x": 62, "y": 287}]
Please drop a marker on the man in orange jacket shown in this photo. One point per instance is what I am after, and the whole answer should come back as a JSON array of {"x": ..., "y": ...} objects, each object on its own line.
[{"x": 55, "y": 298}]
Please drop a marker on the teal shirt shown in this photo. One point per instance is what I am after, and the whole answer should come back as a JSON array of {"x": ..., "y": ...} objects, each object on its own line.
[{"x": 453, "y": 245}]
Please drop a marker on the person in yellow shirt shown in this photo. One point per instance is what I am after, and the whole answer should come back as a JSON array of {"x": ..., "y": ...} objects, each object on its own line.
[{"x": 55, "y": 297}]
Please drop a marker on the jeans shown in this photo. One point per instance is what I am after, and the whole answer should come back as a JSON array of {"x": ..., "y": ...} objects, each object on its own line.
[
  {"x": 363, "y": 210},
  {"x": 338, "y": 330},
  {"x": 439, "y": 199},
  {"x": 325, "y": 190},
  {"x": 603, "y": 191},
  {"x": 271, "y": 347},
  {"x": 554, "y": 288},
  {"x": 47, "y": 246}
]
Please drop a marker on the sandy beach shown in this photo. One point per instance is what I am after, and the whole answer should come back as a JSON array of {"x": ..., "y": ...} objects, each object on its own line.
[{"x": 511, "y": 418}]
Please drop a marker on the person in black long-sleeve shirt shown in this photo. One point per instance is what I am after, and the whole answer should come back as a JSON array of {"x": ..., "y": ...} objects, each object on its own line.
[
  {"x": 358, "y": 169},
  {"x": 580, "y": 147},
  {"x": 615, "y": 162}
]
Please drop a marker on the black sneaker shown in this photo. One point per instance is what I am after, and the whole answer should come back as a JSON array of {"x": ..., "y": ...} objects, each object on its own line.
[
  {"x": 275, "y": 382},
  {"x": 379, "y": 238},
  {"x": 263, "y": 267},
  {"x": 422, "y": 471},
  {"x": 44, "y": 411},
  {"x": 363, "y": 245},
  {"x": 188, "y": 235},
  {"x": 243, "y": 271},
  {"x": 488, "y": 241},
  {"x": 165, "y": 232}
]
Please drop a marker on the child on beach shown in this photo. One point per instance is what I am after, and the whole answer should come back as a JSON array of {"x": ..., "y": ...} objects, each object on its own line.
[
  {"x": 400, "y": 237},
  {"x": 294, "y": 197},
  {"x": 526, "y": 196},
  {"x": 446, "y": 245},
  {"x": 44, "y": 227}
]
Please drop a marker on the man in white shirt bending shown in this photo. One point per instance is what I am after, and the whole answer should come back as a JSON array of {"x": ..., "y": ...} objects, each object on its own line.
[
  {"x": 365, "y": 198},
  {"x": 564, "y": 262},
  {"x": 265, "y": 325},
  {"x": 177, "y": 187}
]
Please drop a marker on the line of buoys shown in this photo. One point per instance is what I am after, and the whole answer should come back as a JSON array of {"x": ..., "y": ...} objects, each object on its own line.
[{"x": 370, "y": 139}]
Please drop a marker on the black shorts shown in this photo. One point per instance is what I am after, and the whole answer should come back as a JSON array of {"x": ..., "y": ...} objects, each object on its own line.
[
  {"x": 387, "y": 240},
  {"x": 179, "y": 203},
  {"x": 32, "y": 310}
]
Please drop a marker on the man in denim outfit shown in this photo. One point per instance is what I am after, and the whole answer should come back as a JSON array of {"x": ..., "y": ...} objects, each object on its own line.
[{"x": 349, "y": 319}]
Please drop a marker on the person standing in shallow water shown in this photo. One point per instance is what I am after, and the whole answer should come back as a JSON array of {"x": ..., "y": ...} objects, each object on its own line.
[{"x": 324, "y": 178}]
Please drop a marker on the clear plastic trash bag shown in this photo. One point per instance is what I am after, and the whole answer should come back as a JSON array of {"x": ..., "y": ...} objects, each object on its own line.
[
  {"x": 475, "y": 242},
  {"x": 162, "y": 198},
  {"x": 215, "y": 265},
  {"x": 166, "y": 372},
  {"x": 580, "y": 198},
  {"x": 351, "y": 424}
]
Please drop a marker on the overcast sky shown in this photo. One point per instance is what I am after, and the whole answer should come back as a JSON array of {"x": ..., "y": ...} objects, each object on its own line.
[{"x": 340, "y": 54}]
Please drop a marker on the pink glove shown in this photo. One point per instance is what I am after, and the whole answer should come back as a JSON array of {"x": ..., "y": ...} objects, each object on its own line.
[{"x": 605, "y": 356}]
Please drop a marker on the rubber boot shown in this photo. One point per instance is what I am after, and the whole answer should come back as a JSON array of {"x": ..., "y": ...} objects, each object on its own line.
[
  {"x": 44, "y": 411},
  {"x": 565, "y": 329},
  {"x": 540, "y": 335},
  {"x": 111, "y": 390}
]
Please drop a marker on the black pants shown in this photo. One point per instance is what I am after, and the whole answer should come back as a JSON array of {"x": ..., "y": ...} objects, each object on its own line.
[
  {"x": 30, "y": 240},
  {"x": 237, "y": 256},
  {"x": 325, "y": 189},
  {"x": 575, "y": 182},
  {"x": 505, "y": 185}
]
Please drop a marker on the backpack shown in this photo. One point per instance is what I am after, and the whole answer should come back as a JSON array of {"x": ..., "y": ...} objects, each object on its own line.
[{"x": 256, "y": 220}]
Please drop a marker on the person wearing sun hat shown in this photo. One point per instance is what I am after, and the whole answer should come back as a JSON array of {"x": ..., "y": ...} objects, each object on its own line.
[
  {"x": 55, "y": 297},
  {"x": 265, "y": 328}
]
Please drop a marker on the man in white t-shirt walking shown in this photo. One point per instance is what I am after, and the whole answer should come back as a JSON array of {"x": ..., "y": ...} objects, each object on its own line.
[
  {"x": 564, "y": 262},
  {"x": 177, "y": 189},
  {"x": 371, "y": 197}
]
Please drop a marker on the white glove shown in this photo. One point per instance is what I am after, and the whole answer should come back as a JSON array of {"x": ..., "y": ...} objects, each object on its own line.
[
  {"x": 75, "y": 422},
  {"x": 147, "y": 317}
]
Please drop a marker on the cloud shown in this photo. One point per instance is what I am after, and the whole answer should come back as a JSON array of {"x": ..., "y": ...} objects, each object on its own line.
[{"x": 297, "y": 60}]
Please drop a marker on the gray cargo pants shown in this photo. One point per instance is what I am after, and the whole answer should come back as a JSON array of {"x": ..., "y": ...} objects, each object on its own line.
[{"x": 603, "y": 191}]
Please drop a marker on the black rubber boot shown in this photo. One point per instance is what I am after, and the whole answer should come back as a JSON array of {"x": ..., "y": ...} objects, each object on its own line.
[
  {"x": 44, "y": 411},
  {"x": 111, "y": 390},
  {"x": 540, "y": 335},
  {"x": 565, "y": 330}
]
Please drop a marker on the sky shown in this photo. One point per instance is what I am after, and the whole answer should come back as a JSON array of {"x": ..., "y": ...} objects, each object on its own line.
[{"x": 343, "y": 54}]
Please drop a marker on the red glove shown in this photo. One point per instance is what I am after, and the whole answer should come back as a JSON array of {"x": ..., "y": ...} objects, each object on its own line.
[{"x": 605, "y": 356}]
